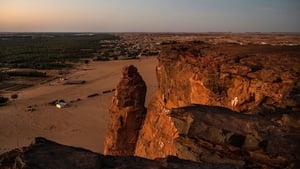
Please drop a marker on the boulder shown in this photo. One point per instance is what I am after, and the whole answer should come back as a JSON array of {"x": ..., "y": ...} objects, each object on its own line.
[{"x": 217, "y": 134}]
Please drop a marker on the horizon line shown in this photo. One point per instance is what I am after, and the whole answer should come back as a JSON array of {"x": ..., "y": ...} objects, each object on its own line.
[{"x": 154, "y": 32}]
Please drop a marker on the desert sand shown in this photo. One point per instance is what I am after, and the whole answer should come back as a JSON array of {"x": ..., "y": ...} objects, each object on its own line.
[{"x": 83, "y": 123}]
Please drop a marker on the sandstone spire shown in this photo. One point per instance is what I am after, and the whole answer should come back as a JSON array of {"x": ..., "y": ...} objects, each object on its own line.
[{"x": 127, "y": 113}]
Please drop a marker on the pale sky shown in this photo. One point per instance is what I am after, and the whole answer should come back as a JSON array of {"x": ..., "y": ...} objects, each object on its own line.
[{"x": 149, "y": 15}]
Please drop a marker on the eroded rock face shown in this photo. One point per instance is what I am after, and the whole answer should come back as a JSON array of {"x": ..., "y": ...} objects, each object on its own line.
[
  {"x": 156, "y": 138},
  {"x": 219, "y": 135},
  {"x": 241, "y": 78},
  {"x": 216, "y": 134},
  {"x": 246, "y": 112},
  {"x": 127, "y": 113},
  {"x": 46, "y": 154}
]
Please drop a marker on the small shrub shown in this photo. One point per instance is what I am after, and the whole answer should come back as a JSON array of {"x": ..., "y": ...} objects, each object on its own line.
[
  {"x": 86, "y": 62},
  {"x": 100, "y": 58},
  {"x": 14, "y": 96},
  {"x": 3, "y": 99}
]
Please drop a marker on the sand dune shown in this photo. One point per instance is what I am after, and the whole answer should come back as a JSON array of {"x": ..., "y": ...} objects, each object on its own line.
[{"x": 83, "y": 124}]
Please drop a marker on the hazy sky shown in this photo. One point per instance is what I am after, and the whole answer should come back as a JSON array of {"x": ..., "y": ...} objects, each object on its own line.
[{"x": 150, "y": 15}]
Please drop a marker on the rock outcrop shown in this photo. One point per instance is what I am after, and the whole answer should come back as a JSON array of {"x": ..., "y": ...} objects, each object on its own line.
[
  {"x": 242, "y": 78},
  {"x": 245, "y": 105},
  {"x": 223, "y": 104},
  {"x": 219, "y": 135},
  {"x": 45, "y": 154},
  {"x": 127, "y": 113}
]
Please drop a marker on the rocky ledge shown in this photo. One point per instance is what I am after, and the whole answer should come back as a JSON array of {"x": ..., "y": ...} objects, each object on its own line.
[{"x": 46, "y": 154}]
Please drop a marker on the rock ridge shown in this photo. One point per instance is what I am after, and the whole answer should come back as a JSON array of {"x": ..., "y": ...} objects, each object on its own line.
[{"x": 46, "y": 154}]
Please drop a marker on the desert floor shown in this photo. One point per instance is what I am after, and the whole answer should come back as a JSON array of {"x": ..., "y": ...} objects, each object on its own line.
[{"x": 83, "y": 123}]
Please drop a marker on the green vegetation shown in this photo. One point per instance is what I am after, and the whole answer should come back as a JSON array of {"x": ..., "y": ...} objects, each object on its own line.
[
  {"x": 31, "y": 73},
  {"x": 48, "y": 51}
]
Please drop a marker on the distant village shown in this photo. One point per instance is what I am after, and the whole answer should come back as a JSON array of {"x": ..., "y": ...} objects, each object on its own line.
[{"x": 127, "y": 47}]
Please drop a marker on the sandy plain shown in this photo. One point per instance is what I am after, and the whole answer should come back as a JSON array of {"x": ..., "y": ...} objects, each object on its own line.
[{"x": 83, "y": 123}]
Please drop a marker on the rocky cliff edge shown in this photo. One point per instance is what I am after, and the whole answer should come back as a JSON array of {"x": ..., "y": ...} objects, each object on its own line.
[
  {"x": 225, "y": 103},
  {"x": 46, "y": 154}
]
